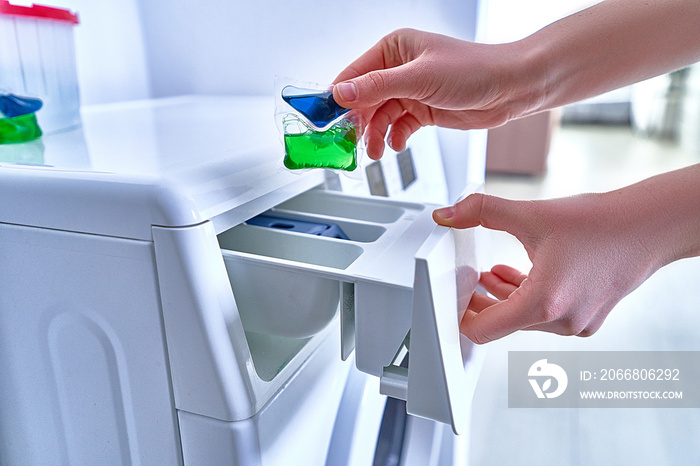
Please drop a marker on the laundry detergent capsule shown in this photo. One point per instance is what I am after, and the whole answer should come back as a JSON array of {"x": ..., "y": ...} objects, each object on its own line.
[{"x": 316, "y": 131}]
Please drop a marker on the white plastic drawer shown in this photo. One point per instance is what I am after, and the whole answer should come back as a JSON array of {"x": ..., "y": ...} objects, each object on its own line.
[{"x": 400, "y": 282}]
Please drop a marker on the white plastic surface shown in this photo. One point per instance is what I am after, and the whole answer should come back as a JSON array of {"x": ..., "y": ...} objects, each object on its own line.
[
  {"x": 382, "y": 271},
  {"x": 416, "y": 276},
  {"x": 423, "y": 442},
  {"x": 438, "y": 386},
  {"x": 214, "y": 372},
  {"x": 429, "y": 185},
  {"x": 294, "y": 428},
  {"x": 357, "y": 424},
  {"x": 84, "y": 373}
]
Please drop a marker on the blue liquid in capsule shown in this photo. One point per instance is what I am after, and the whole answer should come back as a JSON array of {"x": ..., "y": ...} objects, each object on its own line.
[{"x": 319, "y": 107}]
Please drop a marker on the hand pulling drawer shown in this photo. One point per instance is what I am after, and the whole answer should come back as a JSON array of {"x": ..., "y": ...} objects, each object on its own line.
[{"x": 402, "y": 289}]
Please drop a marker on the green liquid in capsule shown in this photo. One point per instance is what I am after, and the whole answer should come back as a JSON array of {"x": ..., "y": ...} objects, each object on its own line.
[
  {"x": 334, "y": 148},
  {"x": 19, "y": 129}
]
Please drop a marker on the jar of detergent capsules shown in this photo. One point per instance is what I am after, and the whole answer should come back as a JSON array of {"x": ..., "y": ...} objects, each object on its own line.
[{"x": 38, "y": 76}]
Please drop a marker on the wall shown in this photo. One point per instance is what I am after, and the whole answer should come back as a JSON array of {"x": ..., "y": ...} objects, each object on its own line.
[
  {"x": 130, "y": 49},
  {"x": 213, "y": 46},
  {"x": 510, "y": 20}
]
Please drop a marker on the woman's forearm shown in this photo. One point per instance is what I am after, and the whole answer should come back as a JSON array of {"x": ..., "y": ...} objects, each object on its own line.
[{"x": 607, "y": 46}]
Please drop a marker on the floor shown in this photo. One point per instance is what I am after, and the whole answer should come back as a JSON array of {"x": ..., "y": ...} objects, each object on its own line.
[{"x": 663, "y": 314}]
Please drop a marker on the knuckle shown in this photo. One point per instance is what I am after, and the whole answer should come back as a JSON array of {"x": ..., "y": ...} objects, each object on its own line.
[
  {"x": 564, "y": 319},
  {"x": 484, "y": 207},
  {"x": 395, "y": 38},
  {"x": 479, "y": 339},
  {"x": 574, "y": 326},
  {"x": 548, "y": 312},
  {"x": 474, "y": 203},
  {"x": 477, "y": 200},
  {"x": 401, "y": 32},
  {"x": 475, "y": 335},
  {"x": 592, "y": 327},
  {"x": 586, "y": 332},
  {"x": 496, "y": 118},
  {"x": 375, "y": 81},
  {"x": 567, "y": 321},
  {"x": 385, "y": 116}
]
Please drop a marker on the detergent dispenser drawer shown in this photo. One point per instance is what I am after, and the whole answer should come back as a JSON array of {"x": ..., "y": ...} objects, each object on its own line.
[{"x": 399, "y": 281}]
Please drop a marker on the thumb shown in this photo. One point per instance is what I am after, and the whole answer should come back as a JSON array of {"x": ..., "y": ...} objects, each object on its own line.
[
  {"x": 489, "y": 211},
  {"x": 376, "y": 86}
]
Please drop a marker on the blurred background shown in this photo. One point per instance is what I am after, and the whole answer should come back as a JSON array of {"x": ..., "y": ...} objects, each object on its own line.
[{"x": 129, "y": 50}]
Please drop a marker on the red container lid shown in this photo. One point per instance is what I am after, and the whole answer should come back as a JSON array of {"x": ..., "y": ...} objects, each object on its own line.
[{"x": 38, "y": 12}]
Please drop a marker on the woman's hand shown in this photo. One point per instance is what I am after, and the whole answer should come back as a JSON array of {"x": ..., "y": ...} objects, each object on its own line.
[
  {"x": 587, "y": 251},
  {"x": 412, "y": 79}
]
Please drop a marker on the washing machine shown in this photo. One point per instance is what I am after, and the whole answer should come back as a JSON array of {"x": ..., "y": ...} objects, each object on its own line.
[{"x": 146, "y": 319}]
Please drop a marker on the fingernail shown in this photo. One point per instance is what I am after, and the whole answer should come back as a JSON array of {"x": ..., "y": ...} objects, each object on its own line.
[
  {"x": 347, "y": 91},
  {"x": 446, "y": 212}
]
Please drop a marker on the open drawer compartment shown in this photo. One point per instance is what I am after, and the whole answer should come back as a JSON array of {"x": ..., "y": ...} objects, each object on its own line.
[{"x": 399, "y": 281}]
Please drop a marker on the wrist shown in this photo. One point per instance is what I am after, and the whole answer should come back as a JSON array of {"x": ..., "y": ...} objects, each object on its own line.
[
  {"x": 676, "y": 196},
  {"x": 525, "y": 78},
  {"x": 665, "y": 212}
]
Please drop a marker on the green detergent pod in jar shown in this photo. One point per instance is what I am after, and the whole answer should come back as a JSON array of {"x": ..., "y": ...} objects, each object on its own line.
[{"x": 17, "y": 129}]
